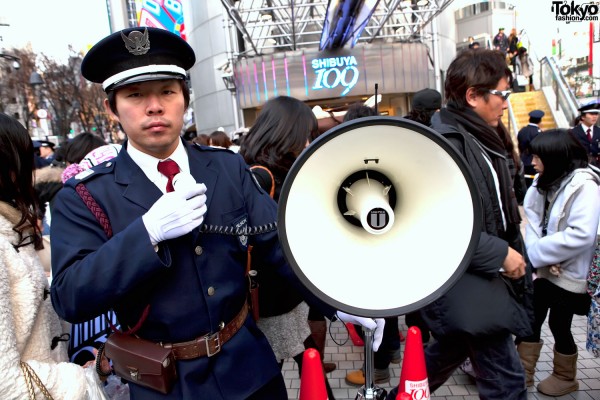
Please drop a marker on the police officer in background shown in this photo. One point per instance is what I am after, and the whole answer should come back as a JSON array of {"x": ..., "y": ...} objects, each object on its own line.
[
  {"x": 587, "y": 132},
  {"x": 525, "y": 136},
  {"x": 46, "y": 150},
  {"x": 172, "y": 283}
]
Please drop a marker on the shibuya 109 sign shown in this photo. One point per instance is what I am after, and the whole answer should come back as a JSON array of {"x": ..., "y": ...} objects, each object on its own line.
[{"x": 335, "y": 72}]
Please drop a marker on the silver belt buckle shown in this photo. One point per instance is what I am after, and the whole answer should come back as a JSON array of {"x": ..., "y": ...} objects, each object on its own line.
[{"x": 212, "y": 338}]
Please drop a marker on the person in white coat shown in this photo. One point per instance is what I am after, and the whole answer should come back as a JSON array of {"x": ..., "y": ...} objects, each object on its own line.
[
  {"x": 32, "y": 343},
  {"x": 562, "y": 208}
]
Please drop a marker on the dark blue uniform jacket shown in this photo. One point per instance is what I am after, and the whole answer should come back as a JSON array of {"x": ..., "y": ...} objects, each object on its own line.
[
  {"x": 593, "y": 147},
  {"x": 192, "y": 284},
  {"x": 525, "y": 136}
]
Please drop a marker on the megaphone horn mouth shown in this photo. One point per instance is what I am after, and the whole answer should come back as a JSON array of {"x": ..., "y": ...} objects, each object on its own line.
[{"x": 367, "y": 199}]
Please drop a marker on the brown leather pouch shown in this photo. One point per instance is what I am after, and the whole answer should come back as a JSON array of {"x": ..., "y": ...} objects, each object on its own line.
[{"x": 142, "y": 362}]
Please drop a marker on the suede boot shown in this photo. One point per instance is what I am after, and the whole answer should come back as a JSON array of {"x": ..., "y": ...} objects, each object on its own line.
[
  {"x": 529, "y": 354},
  {"x": 563, "y": 379},
  {"x": 357, "y": 377}
]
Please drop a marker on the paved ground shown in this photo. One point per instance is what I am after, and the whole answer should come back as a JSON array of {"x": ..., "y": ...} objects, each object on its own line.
[{"x": 459, "y": 386}]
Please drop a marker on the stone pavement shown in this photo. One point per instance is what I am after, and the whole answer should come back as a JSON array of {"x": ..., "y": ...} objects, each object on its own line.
[{"x": 459, "y": 386}]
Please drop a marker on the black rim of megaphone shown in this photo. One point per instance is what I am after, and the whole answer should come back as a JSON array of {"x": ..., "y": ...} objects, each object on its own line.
[{"x": 340, "y": 130}]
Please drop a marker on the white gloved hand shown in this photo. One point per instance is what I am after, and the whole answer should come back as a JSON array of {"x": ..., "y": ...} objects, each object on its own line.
[
  {"x": 176, "y": 213},
  {"x": 370, "y": 323}
]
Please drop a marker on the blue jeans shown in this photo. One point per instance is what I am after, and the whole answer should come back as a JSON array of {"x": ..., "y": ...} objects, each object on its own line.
[{"x": 500, "y": 375}]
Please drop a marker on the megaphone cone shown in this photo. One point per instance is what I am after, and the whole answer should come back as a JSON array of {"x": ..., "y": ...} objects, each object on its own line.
[
  {"x": 312, "y": 380},
  {"x": 354, "y": 336},
  {"x": 413, "y": 377}
]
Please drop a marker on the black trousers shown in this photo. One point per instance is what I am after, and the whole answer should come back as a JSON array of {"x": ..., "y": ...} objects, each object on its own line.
[{"x": 563, "y": 305}]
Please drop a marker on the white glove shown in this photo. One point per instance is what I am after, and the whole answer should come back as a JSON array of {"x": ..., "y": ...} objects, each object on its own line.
[
  {"x": 183, "y": 181},
  {"x": 176, "y": 213},
  {"x": 369, "y": 323}
]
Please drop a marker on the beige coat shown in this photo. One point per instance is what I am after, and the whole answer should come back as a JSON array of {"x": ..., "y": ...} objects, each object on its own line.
[{"x": 28, "y": 323}]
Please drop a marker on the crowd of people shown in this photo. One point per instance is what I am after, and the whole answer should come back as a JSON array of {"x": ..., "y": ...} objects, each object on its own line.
[{"x": 126, "y": 241}]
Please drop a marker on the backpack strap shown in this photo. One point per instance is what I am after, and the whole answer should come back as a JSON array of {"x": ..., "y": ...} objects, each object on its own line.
[{"x": 260, "y": 167}]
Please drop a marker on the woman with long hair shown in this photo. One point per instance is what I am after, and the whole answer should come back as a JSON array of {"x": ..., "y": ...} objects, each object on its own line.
[
  {"x": 562, "y": 210},
  {"x": 281, "y": 132},
  {"x": 34, "y": 343}
]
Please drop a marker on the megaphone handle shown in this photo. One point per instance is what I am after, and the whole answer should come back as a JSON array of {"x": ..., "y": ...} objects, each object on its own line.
[
  {"x": 369, "y": 372},
  {"x": 368, "y": 391}
]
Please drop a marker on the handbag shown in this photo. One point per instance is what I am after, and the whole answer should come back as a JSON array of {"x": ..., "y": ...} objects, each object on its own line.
[
  {"x": 522, "y": 80},
  {"x": 141, "y": 361},
  {"x": 593, "y": 278},
  {"x": 252, "y": 273}
]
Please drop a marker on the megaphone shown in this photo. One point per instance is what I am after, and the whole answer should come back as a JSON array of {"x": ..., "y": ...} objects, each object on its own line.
[{"x": 379, "y": 216}]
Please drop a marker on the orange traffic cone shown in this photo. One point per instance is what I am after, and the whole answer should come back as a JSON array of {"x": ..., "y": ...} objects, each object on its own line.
[
  {"x": 413, "y": 377},
  {"x": 312, "y": 380},
  {"x": 356, "y": 340}
]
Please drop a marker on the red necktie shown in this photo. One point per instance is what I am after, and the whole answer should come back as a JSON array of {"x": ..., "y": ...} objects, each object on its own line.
[
  {"x": 589, "y": 134},
  {"x": 168, "y": 168}
]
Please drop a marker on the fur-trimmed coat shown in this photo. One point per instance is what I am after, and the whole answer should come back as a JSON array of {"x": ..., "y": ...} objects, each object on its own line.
[{"x": 28, "y": 323}]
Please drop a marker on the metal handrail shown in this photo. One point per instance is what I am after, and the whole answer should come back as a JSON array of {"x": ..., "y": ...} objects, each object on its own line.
[{"x": 565, "y": 99}]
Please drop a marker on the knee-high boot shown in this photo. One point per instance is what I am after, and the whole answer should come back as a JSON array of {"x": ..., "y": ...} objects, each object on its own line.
[
  {"x": 317, "y": 338},
  {"x": 564, "y": 376},
  {"x": 529, "y": 354}
]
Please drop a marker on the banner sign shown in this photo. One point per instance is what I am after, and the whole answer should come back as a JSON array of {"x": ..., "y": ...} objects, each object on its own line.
[{"x": 165, "y": 14}]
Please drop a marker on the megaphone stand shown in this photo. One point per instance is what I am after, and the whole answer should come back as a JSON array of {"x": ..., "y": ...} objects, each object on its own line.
[{"x": 369, "y": 390}]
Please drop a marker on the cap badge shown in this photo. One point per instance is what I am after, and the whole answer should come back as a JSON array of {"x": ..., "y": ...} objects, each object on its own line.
[{"x": 137, "y": 43}]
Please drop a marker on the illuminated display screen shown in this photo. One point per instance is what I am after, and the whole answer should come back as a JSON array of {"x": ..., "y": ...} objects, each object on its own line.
[{"x": 311, "y": 74}]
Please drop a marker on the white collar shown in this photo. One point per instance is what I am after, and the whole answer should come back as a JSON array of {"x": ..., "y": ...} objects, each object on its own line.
[
  {"x": 148, "y": 163},
  {"x": 585, "y": 127}
]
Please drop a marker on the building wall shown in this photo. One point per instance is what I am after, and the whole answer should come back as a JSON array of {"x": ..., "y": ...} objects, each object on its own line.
[
  {"x": 212, "y": 102},
  {"x": 215, "y": 107}
]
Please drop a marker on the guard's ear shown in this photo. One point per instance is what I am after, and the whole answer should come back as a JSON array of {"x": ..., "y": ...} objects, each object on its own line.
[{"x": 110, "y": 112}]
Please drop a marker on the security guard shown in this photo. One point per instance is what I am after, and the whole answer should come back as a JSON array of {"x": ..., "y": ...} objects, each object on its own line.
[
  {"x": 148, "y": 260},
  {"x": 525, "y": 136},
  {"x": 587, "y": 132}
]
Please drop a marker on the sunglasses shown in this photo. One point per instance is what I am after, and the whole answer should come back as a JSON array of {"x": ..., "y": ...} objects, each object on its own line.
[{"x": 502, "y": 93}]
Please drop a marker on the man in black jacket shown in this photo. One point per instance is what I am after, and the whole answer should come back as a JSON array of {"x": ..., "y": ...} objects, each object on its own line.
[{"x": 477, "y": 317}]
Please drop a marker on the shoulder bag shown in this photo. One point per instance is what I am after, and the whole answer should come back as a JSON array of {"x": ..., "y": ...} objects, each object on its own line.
[{"x": 252, "y": 273}]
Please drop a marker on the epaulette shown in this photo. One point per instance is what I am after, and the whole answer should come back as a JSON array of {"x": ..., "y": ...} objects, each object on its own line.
[
  {"x": 210, "y": 148},
  {"x": 97, "y": 170}
]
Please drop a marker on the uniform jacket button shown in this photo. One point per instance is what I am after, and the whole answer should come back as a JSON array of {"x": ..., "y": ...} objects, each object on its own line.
[
  {"x": 211, "y": 291},
  {"x": 221, "y": 325},
  {"x": 198, "y": 250}
]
